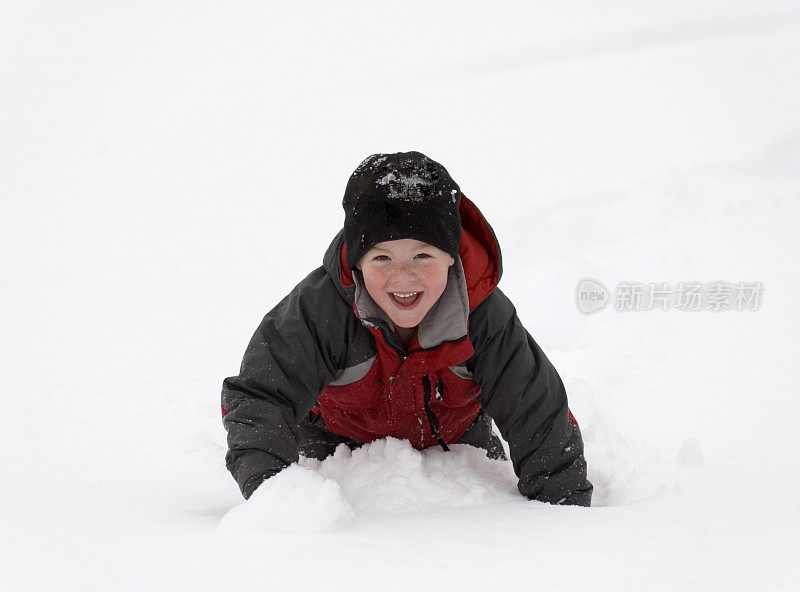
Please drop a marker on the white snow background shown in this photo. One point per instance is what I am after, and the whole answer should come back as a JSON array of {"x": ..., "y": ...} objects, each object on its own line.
[{"x": 170, "y": 170}]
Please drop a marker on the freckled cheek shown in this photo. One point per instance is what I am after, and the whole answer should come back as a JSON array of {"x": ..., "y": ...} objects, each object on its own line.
[
  {"x": 434, "y": 280},
  {"x": 376, "y": 282}
]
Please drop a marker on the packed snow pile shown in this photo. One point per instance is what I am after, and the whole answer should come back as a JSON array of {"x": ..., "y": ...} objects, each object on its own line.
[
  {"x": 391, "y": 476},
  {"x": 383, "y": 476},
  {"x": 296, "y": 499}
]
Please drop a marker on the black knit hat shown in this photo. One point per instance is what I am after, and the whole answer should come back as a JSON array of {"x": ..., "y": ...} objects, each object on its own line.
[{"x": 401, "y": 195}]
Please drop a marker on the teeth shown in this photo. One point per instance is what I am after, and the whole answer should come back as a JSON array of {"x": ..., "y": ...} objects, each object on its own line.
[{"x": 409, "y": 295}]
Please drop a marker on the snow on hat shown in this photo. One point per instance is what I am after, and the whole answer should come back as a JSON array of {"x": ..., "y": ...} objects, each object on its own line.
[{"x": 401, "y": 195}]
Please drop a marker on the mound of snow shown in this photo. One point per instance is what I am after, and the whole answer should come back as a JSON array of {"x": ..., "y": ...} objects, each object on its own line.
[
  {"x": 391, "y": 476},
  {"x": 383, "y": 476},
  {"x": 294, "y": 499}
]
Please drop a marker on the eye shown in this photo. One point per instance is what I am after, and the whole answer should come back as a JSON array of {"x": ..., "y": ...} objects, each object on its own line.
[
  {"x": 424, "y": 255},
  {"x": 381, "y": 258}
]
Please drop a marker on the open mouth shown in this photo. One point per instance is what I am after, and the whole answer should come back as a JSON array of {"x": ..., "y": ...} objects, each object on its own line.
[{"x": 405, "y": 299}]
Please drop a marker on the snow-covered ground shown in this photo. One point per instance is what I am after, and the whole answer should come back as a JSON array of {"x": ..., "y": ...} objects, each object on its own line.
[{"x": 169, "y": 170}]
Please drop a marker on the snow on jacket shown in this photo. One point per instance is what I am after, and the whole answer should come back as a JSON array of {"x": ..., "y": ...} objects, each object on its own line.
[{"x": 327, "y": 348}]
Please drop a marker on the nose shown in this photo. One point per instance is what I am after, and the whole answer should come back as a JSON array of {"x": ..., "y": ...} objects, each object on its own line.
[{"x": 403, "y": 271}]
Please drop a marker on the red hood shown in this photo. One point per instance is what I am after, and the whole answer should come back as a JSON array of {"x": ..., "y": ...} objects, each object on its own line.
[{"x": 479, "y": 252}]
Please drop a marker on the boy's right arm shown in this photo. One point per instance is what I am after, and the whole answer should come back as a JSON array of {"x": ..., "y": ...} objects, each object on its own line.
[{"x": 292, "y": 356}]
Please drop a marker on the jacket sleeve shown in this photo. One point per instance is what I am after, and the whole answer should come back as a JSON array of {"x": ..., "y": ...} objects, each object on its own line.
[
  {"x": 523, "y": 393},
  {"x": 290, "y": 359}
]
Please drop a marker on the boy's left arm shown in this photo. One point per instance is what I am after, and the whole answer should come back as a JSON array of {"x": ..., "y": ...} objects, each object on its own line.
[{"x": 525, "y": 396}]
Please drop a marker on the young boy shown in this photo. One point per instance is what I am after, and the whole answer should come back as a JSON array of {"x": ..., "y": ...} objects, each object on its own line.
[{"x": 403, "y": 332}]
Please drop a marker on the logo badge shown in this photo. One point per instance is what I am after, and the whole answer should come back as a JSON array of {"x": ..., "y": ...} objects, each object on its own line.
[{"x": 591, "y": 296}]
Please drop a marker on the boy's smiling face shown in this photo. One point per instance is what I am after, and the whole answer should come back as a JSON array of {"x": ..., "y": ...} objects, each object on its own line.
[{"x": 405, "y": 278}]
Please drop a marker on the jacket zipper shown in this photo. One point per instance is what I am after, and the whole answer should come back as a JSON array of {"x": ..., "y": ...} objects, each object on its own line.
[{"x": 432, "y": 419}]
